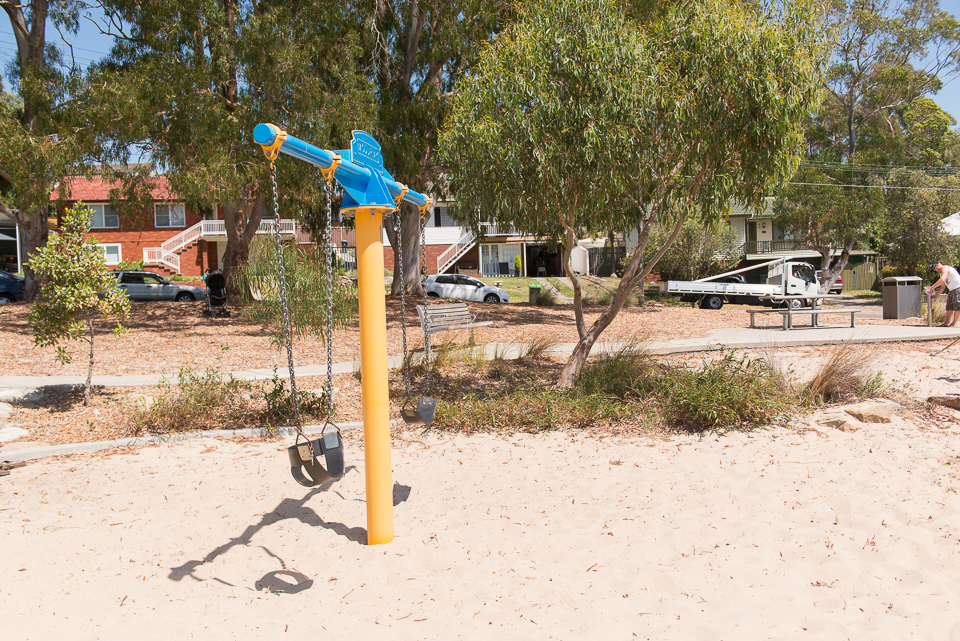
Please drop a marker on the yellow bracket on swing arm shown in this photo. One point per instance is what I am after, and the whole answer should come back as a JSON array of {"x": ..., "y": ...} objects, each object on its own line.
[
  {"x": 329, "y": 171},
  {"x": 403, "y": 192},
  {"x": 272, "y": 151},
  {"x": 426, "y": 205}
]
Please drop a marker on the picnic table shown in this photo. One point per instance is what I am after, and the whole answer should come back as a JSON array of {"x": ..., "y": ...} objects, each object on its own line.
[{"x": 815, "y": 309}]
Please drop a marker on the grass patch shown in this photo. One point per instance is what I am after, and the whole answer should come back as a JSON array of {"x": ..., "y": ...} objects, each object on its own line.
[{"x": 865, "y": 293}]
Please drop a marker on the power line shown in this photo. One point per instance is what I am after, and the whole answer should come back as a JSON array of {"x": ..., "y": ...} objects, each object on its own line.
[{"x": 876, "y": 186}]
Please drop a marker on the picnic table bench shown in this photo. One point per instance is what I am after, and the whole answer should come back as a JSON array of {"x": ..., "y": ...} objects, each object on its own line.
[
  {"x": 447, "y": 318},
  {"x": 814, "y": 312}
]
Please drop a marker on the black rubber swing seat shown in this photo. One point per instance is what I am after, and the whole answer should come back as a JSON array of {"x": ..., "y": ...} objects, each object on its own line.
[
  {"x": 423, "y": 415},
  {"x": 307, "y": 470}
]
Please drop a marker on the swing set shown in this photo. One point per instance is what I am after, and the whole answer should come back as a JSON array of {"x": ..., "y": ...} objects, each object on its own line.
[{"x": 369, "y": 193}]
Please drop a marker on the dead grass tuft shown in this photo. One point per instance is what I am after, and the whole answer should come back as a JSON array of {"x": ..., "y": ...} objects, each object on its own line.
[{"x": 846, "y": 374}]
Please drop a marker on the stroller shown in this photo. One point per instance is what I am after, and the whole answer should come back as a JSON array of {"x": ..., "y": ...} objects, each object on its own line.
[{"x": 216, "y": 295}]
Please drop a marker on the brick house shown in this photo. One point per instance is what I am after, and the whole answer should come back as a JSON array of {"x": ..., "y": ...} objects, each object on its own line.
[{"x": 167, "y": 237}]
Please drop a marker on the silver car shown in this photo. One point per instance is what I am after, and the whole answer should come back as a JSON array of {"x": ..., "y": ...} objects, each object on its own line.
[
  {"x": 463, "y": 288},
  {"x": 150, "y": 286}
]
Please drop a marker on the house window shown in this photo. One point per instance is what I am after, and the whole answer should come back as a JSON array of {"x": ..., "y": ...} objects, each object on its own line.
[
  {"x": 103, "y": 217},
  {"x": 442, "y": 217},
  {"x": 169, "y": 215},
  {"x": 112, "y": 253}
]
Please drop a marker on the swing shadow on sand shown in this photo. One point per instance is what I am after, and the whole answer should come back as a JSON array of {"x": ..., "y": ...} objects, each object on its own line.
[{"x": 287, "y": 509}]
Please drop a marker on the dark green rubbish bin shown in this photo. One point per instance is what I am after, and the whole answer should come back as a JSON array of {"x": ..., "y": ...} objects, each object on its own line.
[{"x": 534, "y": 293}]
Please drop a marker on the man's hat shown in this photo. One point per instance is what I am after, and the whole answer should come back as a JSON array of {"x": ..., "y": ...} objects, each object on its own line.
[{"x": 933, "y": 266}]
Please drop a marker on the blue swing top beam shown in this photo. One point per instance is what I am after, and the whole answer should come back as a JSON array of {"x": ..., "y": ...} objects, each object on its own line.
[{"x": 359, "y": 169}]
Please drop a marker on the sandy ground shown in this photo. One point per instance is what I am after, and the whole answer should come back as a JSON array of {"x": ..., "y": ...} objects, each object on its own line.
[
  {"x": 775, "y": 534},
  {"x": 799, "y": 531}
]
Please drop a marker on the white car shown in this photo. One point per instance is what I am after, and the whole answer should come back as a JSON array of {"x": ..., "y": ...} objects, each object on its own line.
[{"x": 463, "y": 288}]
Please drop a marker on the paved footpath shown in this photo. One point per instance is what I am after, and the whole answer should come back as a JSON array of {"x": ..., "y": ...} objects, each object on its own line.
[{"x": 724, "y": 338}]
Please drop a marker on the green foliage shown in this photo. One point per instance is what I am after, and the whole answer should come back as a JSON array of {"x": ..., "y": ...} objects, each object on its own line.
[
  {"x": 131, "y": 265},
  {"x": 306, "y": 283},
  {"x": 825, "y": 217},
  {"x": 914, "y": 236},
  {"x": 189, "y": 82},
  {"x": 701, "y": 249},
  {"x": 77, "y": 288},
  {"x": 279, "y": 402},
  {"x": 887, "y": 54},
  {"x": 733, "y": 390},
  {"x": 588, "y": 123},
  {"x": 207, "y": 401}
]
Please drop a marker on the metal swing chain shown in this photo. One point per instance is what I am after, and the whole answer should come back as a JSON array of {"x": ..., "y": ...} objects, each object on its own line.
[
  {"x": 423, "y": 290},
  {"x": 286, "y": 311},
  {"x": 328, "y": 260},
  {"x": 403, "y": 300}
]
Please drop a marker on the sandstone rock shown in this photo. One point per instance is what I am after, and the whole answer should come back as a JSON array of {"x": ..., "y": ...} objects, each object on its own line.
[
  {"x": 21, "y": 395},
  {"x": 946, "y": 401},
  {"x": 143, "y": 401},
  {"x": 12, "y": 433},
  {"x": 839, "y": 423},
  {"x": 872, "y": 412},
  {"x": 5, "y": 410}
]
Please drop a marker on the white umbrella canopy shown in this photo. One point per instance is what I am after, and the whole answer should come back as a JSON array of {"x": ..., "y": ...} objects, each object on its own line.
[{"x": 951, "y": 224}]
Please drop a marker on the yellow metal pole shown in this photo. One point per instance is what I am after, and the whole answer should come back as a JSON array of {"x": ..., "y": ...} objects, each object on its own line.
[{"x": 373, "y": 374}]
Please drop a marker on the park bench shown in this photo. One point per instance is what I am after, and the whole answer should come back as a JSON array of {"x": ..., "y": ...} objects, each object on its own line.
[
  {"x": 447, "y": 318},
  {"x": 814, "y": 312}
]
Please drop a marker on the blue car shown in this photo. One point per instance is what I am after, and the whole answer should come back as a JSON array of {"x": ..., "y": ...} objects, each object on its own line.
[{"x": 11, "y": 287}]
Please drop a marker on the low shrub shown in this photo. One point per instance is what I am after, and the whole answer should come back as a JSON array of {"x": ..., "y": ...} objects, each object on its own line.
[
  {"x": 206, "y": 401},
  {"x": 627, "y": 373},
  {"x": 732, "y": 391},
  {"x": 279, "y": 401}
]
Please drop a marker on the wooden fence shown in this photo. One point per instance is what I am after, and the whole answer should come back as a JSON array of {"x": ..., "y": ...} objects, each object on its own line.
[{"x": 860, "y": 277}]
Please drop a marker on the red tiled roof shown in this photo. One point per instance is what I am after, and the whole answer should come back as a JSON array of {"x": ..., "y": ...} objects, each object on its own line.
[{"x": 97, "y": 189}]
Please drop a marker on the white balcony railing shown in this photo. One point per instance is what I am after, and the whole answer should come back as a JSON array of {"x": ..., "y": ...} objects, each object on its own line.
[{"x": 167, "y": 253}]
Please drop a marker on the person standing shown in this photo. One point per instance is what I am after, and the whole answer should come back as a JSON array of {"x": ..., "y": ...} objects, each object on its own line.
[{"x": 949, "y": 280}]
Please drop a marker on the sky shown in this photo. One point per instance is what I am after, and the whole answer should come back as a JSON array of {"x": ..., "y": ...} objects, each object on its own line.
[{"x": 90, "y": 45}]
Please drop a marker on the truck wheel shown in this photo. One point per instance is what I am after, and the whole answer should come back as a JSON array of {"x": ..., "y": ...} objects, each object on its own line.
[
  {"x": 711, "y": 302},
  {"x": 797, "y": 303}
]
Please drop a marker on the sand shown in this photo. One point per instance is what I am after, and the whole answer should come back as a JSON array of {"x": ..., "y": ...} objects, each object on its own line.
[{"x": 801, "y": 532}]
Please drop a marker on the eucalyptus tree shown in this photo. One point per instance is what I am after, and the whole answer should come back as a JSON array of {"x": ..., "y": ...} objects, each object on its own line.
[
  {"x": 831, "y": 211},
  {"x": 35, "y": 146},
  {"x": 578, "y": 121},
  {"x": 916, "y": 204},
  {"x": 414, "y": 51},
  {"x": 191, "y": 80},
  {"x": 888, "y": 53}
]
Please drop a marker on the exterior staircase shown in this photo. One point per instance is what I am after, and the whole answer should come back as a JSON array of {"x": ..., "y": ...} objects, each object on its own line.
[
  {"x": 167, "y": 255},
  {"x": 455, "y": 251}
]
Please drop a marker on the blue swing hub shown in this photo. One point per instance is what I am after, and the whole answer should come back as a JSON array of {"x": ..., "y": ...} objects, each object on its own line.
[{"x": 359, "y": 170}]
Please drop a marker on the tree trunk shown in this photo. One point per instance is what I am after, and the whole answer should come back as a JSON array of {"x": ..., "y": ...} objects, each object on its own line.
[
  {"x": 632, "y": 275},
  {"x": 832, "y": 266},
  {"x": 34, "y": 232},
  {"x": 86, "y": 392},
  {"x": 241, "y": 228},
  {"x": 389, "y": 227}
]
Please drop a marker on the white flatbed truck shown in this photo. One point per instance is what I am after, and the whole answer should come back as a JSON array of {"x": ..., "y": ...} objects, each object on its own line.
[{"x": 785, "y": 277}]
